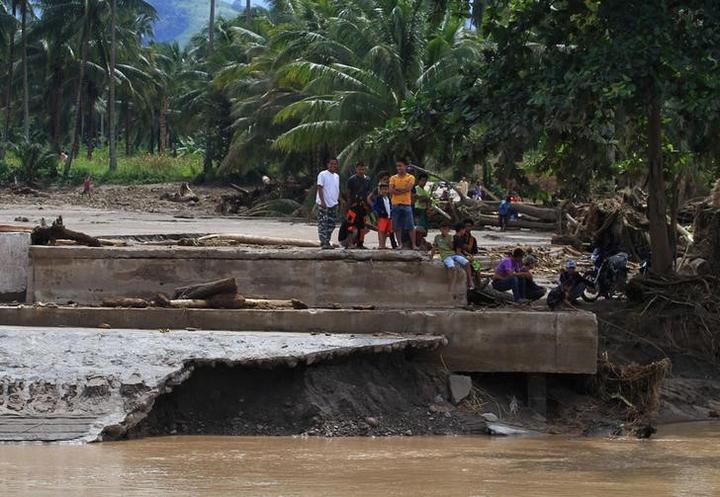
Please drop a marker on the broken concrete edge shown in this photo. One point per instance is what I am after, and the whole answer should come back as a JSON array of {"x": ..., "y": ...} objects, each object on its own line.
[
  {"x": 114, "y": 426},
  {"x": 238, "y": 253}
]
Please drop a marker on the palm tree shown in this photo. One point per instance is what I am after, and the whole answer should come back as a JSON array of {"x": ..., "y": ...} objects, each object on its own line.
[
  {"x": 111, "y": 82},
  {"x": 26, "y": 88},
  {"x": 357, "y": 65},
  {"x": 8, "y": 28}
]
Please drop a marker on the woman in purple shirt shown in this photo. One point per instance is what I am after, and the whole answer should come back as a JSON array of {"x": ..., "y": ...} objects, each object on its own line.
[{"x": 509, "y": 275}]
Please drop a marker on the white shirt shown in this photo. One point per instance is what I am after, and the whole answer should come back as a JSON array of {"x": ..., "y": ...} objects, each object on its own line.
[{"x": 330, "y": 183}]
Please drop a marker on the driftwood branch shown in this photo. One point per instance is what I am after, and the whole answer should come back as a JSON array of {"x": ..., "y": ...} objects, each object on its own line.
[{"x": 47, "y": 235}]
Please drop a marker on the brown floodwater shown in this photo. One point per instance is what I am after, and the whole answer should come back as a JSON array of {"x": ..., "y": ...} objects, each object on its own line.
[{"x": 683, "y": 460}]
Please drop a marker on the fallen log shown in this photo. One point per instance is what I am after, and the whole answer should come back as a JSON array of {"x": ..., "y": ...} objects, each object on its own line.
[
  {"x": 206, "y": 290},
  {"x": 274, "y": 304},
  {"x": 247, "y": 304},
  {"x": 542, "y": 213},
  {"x": 125, "y": 302},
  {"x": 226, "y": 301},
  {"x": 9, "y": 228},
  {"x": 189, "y": 304},
  {"x": 489, "y": 220},
  {"x": 261, "y": 240},
  {"x": 47, "y": 235}
]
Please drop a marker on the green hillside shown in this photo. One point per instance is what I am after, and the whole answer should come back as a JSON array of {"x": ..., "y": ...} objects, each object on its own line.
[{"x": 180, "y": 19}]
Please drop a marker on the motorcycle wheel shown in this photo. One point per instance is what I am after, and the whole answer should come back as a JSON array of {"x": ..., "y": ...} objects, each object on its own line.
[{"x": 590, "y": 292}]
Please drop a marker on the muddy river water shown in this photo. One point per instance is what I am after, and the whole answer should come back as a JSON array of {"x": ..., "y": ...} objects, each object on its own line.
[{"x": 683, "y": 460}]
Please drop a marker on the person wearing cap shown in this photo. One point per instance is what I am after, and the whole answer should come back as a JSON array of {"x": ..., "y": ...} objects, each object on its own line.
[
  {"x": 509, "y": 275},
  {"x": 570, "y": 286}
]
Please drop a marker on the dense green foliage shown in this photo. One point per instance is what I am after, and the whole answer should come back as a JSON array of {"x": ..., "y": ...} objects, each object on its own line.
[{"x": 626, "y": 92}]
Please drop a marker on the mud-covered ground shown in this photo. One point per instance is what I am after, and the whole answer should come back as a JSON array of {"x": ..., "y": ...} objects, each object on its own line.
[
  {"x": 363, "y": 395},
  {"x": 131, "y": 198}
]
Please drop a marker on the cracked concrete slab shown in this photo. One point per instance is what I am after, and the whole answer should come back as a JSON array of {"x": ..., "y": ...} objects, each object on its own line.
[{"x": 76, "y": 383}]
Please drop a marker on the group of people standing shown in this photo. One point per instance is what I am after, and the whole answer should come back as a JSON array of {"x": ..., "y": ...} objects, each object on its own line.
[{"x": 400, "y": 205}]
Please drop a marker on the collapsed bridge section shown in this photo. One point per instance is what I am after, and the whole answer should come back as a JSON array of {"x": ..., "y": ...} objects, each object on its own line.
[{"x": 59, "y": 384}]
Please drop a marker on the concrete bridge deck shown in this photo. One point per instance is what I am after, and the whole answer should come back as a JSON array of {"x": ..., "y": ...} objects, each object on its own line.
[{"x": 478, "y": 341}]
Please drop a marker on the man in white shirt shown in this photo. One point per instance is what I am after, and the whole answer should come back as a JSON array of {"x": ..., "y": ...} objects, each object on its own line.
[{"x": 327, "y": 198}]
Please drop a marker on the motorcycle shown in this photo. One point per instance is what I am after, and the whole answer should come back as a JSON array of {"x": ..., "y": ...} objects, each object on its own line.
[{"x": 608, "y": 278}]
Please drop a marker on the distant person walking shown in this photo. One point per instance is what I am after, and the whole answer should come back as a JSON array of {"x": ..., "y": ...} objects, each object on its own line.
[
  {"x": 327, "y": 199},
  {"x": 401, "y": 186}
]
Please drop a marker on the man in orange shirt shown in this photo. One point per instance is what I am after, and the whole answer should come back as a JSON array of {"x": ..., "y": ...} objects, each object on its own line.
[{"x": 401, "y": 186}]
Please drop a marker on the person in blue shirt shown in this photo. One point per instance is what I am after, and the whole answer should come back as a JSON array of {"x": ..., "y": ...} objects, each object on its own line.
[{"x": 505, "y": 212}]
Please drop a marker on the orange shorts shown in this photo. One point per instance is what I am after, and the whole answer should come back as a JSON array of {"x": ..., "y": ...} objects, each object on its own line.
[{"x": 384, "y": 225}]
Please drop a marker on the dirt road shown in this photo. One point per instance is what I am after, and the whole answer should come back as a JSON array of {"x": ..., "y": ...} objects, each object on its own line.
[{"x": 138, "y": 210}]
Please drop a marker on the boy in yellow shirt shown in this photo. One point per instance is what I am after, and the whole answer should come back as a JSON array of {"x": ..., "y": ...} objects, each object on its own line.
[{"x": 401, "y": 186}]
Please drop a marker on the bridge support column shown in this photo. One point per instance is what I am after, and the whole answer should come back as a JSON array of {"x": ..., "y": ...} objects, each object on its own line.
[{"x": 537, "y": 392}]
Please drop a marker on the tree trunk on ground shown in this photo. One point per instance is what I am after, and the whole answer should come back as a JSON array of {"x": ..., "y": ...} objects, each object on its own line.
[
  {"x": 78, "y": 101},
  {"x": 112, "y": 144},
  {"x": 206, "y": 290},
  {"x": 26, "y": 89},
  {"x": 162, "y": 121},
  {"x": 46, "y": 235},
  {"x": 662, "y": 257}
]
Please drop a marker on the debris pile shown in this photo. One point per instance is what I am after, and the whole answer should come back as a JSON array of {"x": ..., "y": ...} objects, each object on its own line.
[
  {"x": 219, "y": 294},
  {"x": 269, "y": 200},
  {"x": 183, "y": 195},
  {"x": 636, "y": 387}
]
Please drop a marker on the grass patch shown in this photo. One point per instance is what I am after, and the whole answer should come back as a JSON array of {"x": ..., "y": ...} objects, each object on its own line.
[{"x": 134, "y": 169}]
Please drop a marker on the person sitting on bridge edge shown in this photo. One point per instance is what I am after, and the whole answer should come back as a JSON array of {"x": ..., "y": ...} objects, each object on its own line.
[
  {"x": 533, "y": 291},
  {"x": 509, "y": 275},
  {"x": 570, "y": 287},
  {"x": 450, "y": 254}
]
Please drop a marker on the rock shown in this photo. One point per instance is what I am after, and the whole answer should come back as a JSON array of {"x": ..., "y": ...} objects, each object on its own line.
[
  {"x": 373, "y": 422},
  {"x": 714, "y": 414},
  {"x": 104, "y": 326},
  {"x": 490, "y": 417},
  {"x": 439, "y": 408},
  {"x": 460, "y": 387},
  {"x": 504, "y": 430}
]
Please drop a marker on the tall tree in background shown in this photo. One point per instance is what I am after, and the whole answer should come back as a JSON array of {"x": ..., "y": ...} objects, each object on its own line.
[
  {"x": 8, "y": 28},
  {"x": 112, "y": 142},
  {"x": 26, "y": 87},
  {"x": 112, "y": 133},
  {"x": 207, "y": 163}
]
